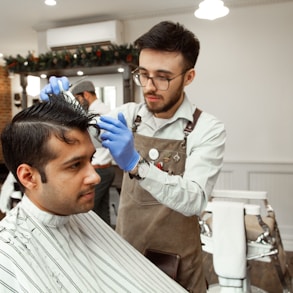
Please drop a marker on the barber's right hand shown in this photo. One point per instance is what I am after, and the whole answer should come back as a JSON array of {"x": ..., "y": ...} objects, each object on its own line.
[
  {"x": 53, "y": 87},
  {"x": 118, "y": 138}
]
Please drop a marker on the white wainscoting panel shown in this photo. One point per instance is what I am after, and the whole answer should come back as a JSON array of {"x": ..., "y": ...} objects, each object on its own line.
[{"x": 275, "y": 178}]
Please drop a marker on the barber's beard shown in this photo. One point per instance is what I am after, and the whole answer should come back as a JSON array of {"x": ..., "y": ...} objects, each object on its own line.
[
  {"x": 172, "y": 101},
  {"x": 85, "y": 104}
]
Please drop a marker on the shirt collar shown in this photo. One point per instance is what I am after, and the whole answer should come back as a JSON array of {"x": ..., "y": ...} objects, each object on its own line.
[
  {"x": 45, "y": 218},
  {"x": 185, "y": 110}
]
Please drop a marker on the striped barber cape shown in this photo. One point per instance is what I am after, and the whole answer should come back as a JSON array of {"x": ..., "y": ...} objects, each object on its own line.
[{"x": 41, "y": 252}]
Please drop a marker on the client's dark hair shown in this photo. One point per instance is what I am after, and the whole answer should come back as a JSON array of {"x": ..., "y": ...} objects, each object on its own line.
[
  {"x": 172, "y": 37},
  {"x": 24, "y": 139}
]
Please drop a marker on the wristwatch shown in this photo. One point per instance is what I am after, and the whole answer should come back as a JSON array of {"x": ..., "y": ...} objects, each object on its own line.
[{"x": 142, "y": 168}]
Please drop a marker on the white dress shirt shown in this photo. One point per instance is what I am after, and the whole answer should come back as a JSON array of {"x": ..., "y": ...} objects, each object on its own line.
[{"x": 102, "y": 156}]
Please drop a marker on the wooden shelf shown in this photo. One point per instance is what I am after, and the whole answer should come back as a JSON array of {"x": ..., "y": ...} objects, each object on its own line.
[{"x": 96, "y": 70}]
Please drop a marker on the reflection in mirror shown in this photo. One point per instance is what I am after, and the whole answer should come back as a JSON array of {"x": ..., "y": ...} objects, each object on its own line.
[
  {"x": 107, "y": 95},
  {"x": 109, "y": 87}
]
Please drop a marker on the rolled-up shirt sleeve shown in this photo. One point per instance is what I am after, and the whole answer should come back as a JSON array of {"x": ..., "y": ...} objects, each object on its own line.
[{"x": 188, "y": 194}]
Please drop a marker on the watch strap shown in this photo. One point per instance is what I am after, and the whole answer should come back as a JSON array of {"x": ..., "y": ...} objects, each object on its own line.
[{"x": 136, "y": 175}]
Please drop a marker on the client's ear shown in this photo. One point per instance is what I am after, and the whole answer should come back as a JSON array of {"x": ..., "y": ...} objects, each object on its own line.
[{"x": 28, "y": 176}]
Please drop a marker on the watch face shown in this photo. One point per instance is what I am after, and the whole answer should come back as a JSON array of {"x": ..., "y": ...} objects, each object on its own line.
[{"x": 143, "y": 169}]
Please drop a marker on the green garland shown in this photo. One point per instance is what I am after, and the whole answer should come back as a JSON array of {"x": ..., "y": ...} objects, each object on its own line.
[{"x": 81, "y": 57}]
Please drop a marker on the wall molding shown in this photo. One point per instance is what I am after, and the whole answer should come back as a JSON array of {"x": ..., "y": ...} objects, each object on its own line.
[{"x": 274, "y": 177}]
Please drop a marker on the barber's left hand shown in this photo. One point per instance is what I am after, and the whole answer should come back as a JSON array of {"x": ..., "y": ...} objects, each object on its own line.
[
  {"x": 53, "y": 87},
  {"x": 119, "y": 140}
]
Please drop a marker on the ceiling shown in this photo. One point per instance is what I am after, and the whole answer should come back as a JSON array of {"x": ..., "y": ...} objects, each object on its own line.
[{"x": 20, "y": 20}]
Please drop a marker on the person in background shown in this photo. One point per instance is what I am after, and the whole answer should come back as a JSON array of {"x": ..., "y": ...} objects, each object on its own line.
[
  {"x": 51, "y": 241},
  {"x": 85, "y": 93},
  {"x": 171, "y": 152}
]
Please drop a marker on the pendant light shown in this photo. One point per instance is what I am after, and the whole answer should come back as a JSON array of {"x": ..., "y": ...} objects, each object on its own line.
[
  {"x": 211, "y": 9},
  {"x": 50, "y": 2}
]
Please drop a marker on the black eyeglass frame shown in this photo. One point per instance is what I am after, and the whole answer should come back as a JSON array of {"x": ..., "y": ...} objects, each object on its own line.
[{"x": 136, "y": 79}]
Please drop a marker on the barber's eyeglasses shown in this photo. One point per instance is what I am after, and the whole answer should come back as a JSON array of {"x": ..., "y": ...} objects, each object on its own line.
[{"x": 160, "y": 82}]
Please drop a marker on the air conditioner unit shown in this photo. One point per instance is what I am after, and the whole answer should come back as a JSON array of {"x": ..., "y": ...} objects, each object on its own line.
[{"x": 85, "y": 34}]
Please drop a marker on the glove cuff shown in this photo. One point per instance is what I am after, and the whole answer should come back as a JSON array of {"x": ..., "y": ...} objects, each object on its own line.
[{"x": 133, "y": 162}]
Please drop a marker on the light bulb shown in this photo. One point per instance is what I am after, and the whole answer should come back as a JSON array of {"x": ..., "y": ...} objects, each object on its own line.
[
  {"x": 211, "y": 9},
  {"x": 50, "y": 2}
]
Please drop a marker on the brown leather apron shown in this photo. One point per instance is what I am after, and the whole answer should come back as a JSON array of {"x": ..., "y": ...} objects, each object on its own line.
[{"x": 147, "y": 224}]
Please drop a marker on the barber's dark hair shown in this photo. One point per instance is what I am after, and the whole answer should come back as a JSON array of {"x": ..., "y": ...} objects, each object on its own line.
[
  {"x": 24, "y": 139},
  {"x": 172, "y": 37}
]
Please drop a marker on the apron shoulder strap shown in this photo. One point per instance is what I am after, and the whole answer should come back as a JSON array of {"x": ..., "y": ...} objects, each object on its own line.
[{"x": 190, "y": 125}]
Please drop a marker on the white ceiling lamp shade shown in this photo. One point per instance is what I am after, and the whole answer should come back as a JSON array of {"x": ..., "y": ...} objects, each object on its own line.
[
  {"x": 211, "y": 9},
  {"x": 50, "y": 2}
]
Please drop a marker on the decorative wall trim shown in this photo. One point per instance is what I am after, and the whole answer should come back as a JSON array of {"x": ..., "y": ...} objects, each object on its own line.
[{"x": 274, "y": 177}]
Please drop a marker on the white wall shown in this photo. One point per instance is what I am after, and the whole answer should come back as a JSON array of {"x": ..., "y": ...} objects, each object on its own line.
[{"x": 244, "y": 77}]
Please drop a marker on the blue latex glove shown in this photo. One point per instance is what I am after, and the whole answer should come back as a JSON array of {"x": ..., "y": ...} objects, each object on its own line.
[
  {"x": 53, "y": 87},
  {"x": 119, "y": 140}
]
